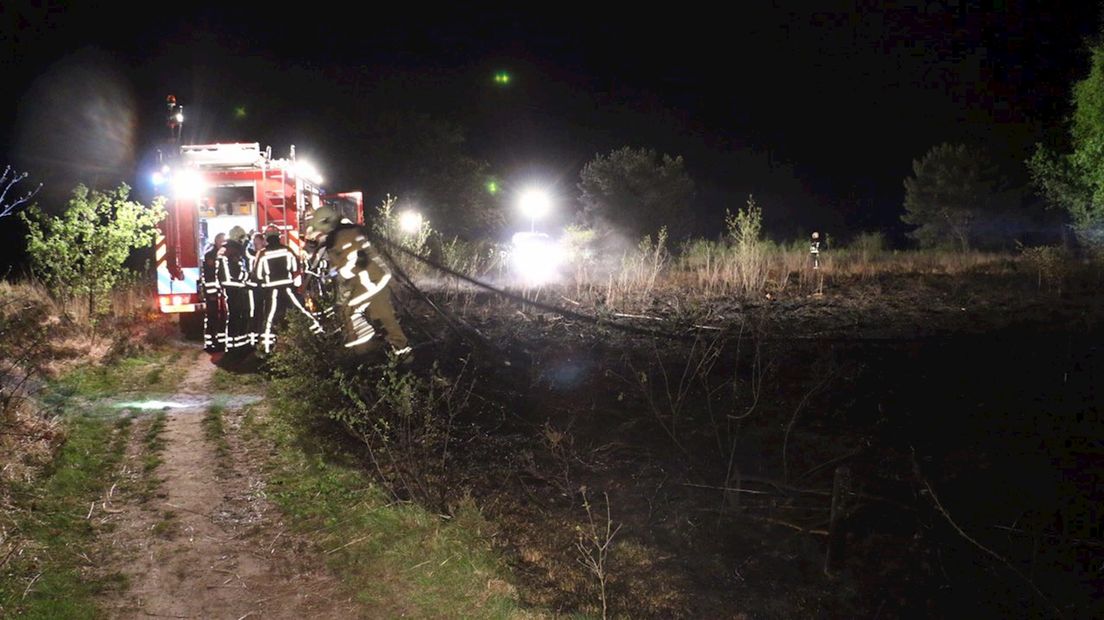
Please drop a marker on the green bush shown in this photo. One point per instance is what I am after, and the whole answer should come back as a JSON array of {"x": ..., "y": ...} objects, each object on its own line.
[
  {"x": 83, "y": 250},
  {"x": 404, "y": 421},
  {"x": 748, "y": 263}
]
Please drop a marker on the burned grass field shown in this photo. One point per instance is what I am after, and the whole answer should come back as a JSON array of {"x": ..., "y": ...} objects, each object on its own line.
[{"x": 904, "y": 445}]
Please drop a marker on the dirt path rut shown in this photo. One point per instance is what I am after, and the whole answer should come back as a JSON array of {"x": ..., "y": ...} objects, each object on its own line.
[{"x": 196, "y": 537}]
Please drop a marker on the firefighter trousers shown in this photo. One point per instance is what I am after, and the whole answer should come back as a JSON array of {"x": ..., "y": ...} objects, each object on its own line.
[
  {"x": 214, "y": 324},
  {"x": 259, "y": 309},
  {"x": 359, "y": 319},
  {"x": 277, "y": 301},
  {"x": 237, "y": 318}
]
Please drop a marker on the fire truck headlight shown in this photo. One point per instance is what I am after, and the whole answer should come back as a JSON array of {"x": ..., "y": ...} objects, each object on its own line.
[
  {"x": 188, "y": 184},
  {"x": 536, "y": 258}
]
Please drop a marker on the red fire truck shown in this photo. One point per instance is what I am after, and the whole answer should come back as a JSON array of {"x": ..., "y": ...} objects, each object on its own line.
[{"x": 210, "y": 188}]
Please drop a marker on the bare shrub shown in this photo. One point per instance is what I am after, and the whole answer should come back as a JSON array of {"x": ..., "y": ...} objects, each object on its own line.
[
  {"x": 671, "y": 394},
  {"x": 697, "y": 391},
  {"x": 1049, "y": 264},
  {"x": 595, "y": 538}
]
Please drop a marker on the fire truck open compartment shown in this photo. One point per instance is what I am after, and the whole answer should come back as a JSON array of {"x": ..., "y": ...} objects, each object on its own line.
[{"x": 224, "y": 207}]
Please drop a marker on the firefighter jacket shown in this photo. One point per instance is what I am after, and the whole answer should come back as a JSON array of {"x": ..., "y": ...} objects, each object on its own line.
[
  {"x": 232, "y": 269},
  {"x": 210, "y": 272},
  {"x": 360, "y": 268},
  {"x": 277, "y": 266}
]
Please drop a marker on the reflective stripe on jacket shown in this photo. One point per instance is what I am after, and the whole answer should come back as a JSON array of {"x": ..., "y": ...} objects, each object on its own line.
[{"x": 277, "y": 266}]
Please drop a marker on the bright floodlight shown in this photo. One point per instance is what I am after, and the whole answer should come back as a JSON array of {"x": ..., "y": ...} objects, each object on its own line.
[
  {"x": 161, "y": 176},
  {"x": 535, "y": 203},
  {"x": 306, "y": 170},
  {"x": 188, "y": 184},
  {"x": 410, "y": 222}
]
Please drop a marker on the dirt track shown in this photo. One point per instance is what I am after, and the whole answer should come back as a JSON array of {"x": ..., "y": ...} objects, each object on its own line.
[{"x": 199, "y": 539}]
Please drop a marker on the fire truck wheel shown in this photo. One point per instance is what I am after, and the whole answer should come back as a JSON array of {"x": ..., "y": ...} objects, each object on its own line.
[{"x": 191, "y": 325}]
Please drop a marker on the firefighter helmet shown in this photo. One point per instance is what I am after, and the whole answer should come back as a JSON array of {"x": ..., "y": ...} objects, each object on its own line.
[
  {"x": 324, "y": 220},
  {"x": 237, "y": 233}
]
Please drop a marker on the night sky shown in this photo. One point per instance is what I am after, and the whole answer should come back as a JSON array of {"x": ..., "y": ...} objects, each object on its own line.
[{"x": 817, "y": 111}]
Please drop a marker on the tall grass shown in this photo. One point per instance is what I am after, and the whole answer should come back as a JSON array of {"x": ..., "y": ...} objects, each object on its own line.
[
  {"x": 620, "y": 275},
  {"x": 640, "y": 270},
  {"x": 743, "y": 266},
  {"x": 135, "y": 297}
]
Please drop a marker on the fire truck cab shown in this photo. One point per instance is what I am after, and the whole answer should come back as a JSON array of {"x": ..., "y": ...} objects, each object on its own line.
[{"x": 210, "y": 188}]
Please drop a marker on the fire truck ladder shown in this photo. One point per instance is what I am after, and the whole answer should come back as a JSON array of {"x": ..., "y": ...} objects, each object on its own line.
[{"x": 276, "y": 200}]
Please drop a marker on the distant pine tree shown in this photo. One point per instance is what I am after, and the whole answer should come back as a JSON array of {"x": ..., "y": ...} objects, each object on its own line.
[
  {"x": 952, "y": 186},
  {"x": 635, "y": 192}
]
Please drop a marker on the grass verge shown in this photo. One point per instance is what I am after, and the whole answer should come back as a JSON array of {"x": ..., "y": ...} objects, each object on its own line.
[
  {"x": 50, "y": 531},
  {"x": 154, "y": 443},
  {"x": 226, "y": 382},
  {"x": 215, "y": 432},
  {"x": 398, "y": 559},
  {"x": 151, "y": 372}
]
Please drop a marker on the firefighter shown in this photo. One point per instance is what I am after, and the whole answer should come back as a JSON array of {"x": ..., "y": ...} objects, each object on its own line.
[
  {"x": 362, "y": 279},
  {"x": 256, "y": 244},
  {"x": 175, "y": 117},
  {"x": 256, "y": 295},
  {"x": 279, "y": 274},
  {"x": 214, "y": 318},
  {"x": 814, "y": 250},
  {"x": 233, "y": 273},
  {"x": 217, "y": 243},
  {"x": 318, "y": 294}
]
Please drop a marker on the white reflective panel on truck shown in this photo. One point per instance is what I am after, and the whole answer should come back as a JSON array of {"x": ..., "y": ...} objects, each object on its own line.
[{"x": 166, "y": 285}]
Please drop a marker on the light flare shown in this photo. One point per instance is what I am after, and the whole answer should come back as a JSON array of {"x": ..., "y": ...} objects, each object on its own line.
[{"x": 536, "y": 258}]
